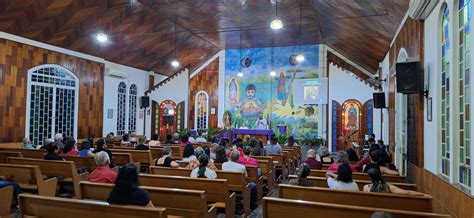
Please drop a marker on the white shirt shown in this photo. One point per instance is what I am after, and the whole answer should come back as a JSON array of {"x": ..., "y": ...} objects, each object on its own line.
[
  {"x": 335, "y": 184},
  {"x": 210, "y": 174},
  {"x": 201, "y": 139},
  {"x": 261, "y": 124},
  {"x": 235, "y": 167},
  {"x": 191, "y": 139}
]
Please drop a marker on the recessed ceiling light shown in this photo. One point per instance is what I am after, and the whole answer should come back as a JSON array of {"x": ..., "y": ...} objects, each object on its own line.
[
  {"x": 276, "y": 24},
  {"x": 273, "y": 73},
  {"x": 300, "y": 58},
  {"x": 175, "y": 63},
  {"x": 102, "y": 37}
]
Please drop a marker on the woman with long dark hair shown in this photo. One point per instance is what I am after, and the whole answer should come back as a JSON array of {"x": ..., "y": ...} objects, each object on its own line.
[
  {"x": 126, "y": 190},
  {"x": 343, "y": 179},
  {"x": 70, "y": 148},
  {"x": 379, "y": 185},
  {"x": 203, "y": 171},
  {"x": 220, "y": 155},
  {"x": 302, "y": 180}
]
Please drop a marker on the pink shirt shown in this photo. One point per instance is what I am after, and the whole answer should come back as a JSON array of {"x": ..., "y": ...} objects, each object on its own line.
[
  {"x": 103, "y": 174},
  {"x": 72, "y": 152},
  {"x": 333, "y": 167},
  {"x": 252, "y": 162},
  {"x": 154, "y": 143}
]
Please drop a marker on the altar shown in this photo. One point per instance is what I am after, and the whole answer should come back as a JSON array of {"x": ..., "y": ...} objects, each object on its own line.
[{"x": 259, "y": 134}]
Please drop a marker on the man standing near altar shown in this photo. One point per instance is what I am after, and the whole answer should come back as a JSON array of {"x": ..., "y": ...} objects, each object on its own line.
[{"x": 261, "y": 122}]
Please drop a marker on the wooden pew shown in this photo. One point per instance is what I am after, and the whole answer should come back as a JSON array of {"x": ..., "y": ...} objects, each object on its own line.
[
  {"x": 29, "y": 178},
  {"x": 322, "y": 182},
  {"x": 82, "y": 162},
  {"x": 252, "y": 176},
  {"x": 325, "y": 166},
  {"x": 27, "y": 153},
  {"x": 278, "y": 207},
  {"x": 268, "y": 172},
  {"x": 280, "y": 163},
  {"x": 11, "y": 145},
  {"x": 362, "y": 176},
  {"x": 235, "y": 180},
  {"x": 176, "y": 151},
  {"x": 41, "y": 206},
  {"x": 66, "y": 171},
  {"x": 5, "y": 154},
  {"x": 6, "y": 196},
  {"x": 144, "y": 157},
  {"x": 178, "y": 202},
  {"x": 122, "y": 159},
  {"x": 357, "y": 198},
  {"x": 216, "y": 189}
]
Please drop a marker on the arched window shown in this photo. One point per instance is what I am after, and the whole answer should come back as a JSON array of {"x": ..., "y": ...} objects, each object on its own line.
[
  {"x": 201, "y": 110},
  {"x": 121, "y": 108},
  {"x": 464, "y": 97},
  {"x": 132, "y": 113},
  {"x": 52, "y": 96},
  {"x": 180, "y": 114},
  {"x": 444, "y": 94}
]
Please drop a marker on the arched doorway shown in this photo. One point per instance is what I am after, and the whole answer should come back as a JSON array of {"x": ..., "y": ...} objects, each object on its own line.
[{"x": 167, "y": 119}]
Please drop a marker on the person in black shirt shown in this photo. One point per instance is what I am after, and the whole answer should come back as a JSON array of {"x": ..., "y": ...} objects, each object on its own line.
[
  {"x": 169, "y": 139},
  {"x": 126, "y": 190},
  {"x": 102, "y": 146},
  {"x": 52, "y": 150},
  {"x": 141, "y": 144}
]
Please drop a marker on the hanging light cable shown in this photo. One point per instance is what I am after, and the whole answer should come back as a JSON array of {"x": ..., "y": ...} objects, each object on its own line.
[
  {"x": 276, "y": 24},
  {"x": 300, "y": 56},
  {"x": 101, "y": 36},
  {"x": 240, "y": 73},
  {"x": 175, "y": 62},
  {"x": 273, "y": 72}
]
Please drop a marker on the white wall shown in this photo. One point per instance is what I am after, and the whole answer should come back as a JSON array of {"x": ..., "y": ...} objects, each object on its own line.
[
  {"x": 342, "y": 87},
  {"x": 177, "y": 90},
  {"x": 385, "y": 88}
]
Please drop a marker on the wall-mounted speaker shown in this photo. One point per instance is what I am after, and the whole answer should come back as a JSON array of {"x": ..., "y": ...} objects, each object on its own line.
[
  {"x": 144, "y": 101},
  {"x": 409, "y": 77},
  {"x": 379, "y": 100}
]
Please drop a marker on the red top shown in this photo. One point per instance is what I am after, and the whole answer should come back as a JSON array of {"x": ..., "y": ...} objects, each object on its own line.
[
  {"x": 250, "y": 161},
  {"x": 313, "y": 163},
  {"x": 103, "y": 174},
  {"x": 72, "y": 152},
  {"x": 333, "y": 167}
]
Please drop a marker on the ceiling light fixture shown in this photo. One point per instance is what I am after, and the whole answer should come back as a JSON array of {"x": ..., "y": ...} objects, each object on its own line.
[
  {"x": 276, "y": 24},
  {"x": 300, "y": 56},
  {"x": 101, "y": 37},
  {"x": 175, "y": 62}
]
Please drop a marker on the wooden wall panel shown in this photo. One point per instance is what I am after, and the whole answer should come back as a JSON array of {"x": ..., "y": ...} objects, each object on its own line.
[
  {"x": 446, "y": 198},
  {"x": 15, "y": 61},
  {"x": 207, "y": 80},
  {"x": 411, "y": 39}
]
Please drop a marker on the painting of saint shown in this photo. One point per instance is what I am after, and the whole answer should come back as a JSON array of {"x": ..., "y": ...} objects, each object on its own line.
[
  {"x": 352, "y": 118},
  {"x": 251, "y": 107},
  {"x": 233, "y": 92},
  {"x": 281, "y": 89}
]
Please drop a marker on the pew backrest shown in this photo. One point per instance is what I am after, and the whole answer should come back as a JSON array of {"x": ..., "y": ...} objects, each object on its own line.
[
  {"x": 6, "y": 196},
  {"x": 168, "y": 171},
  {"x": 29, "y": 177},
  {"x": 5, "y": 154},
  {"x": 41, "y": 206},
  {"x": 122, "y": 159},
  {"x": 144, "y": 157},
  {"x": 357, "y": 198},
  {"x": 362, "y": 176},
  {"x": 279, "y": 207},
  {"x": 27, "y": 153},
  {"x": 82, "y": 162}
]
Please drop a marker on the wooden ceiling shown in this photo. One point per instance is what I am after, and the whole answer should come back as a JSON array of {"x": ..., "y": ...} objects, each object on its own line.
[{"x": 142, "y": 35}]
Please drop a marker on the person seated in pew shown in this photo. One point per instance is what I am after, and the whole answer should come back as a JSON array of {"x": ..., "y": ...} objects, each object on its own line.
[
  {"x": 167, "y": 160},
  {"x": 86, "y": 150},
  {"x": 352, "y": 154},
  {"x": 52, "y": 152},
  {"x": 246, "y": 160},
  {"x": 291, "y": 142},
  {"x": 16, "y": 188},
  {"x": 185, "y": 140},
  {"x": 27, "y": 144},
  {"x": 125, "y": 140},
  {"x": 200, "y": 138},
  {"x": 379, "y": 185},
  {"x": 102, "y": 146},
  {"x": 311, "y": 160},
  {"x": 102, "y": 173},
  {"x": 234, "y": 166},
  {"x": 375, "y": 157},
  {"x": 191, "y": 138},
  {"x": 194, "y": 160},
  {"x": 221, "y": 156},
  {"x": 203, "y": 171},
  {"x": 257, "y": 147},
  {"x": 237, "y": 145},
  {"x": 169, "y": 139},
  {"x": 273, "y": 148},
  {"x": 70, "y": 148},
  {"x": 302, "y": 180},
  {"x": 109, "y": 139},
  {"x": 341, "y": 158},
  {"x": 323, "y": 155},
  {"x": 141, "y": 144},
  {"x": 176, "y": 138},
  {"x": 343, "y": 179},
  {"x": 212, "y": 151},
  {"x": 58, "y": 140},
  {"x": 155, "y": 140},
  {"x": 188, "y": 153},
  {"x": 126, "y": 190}
]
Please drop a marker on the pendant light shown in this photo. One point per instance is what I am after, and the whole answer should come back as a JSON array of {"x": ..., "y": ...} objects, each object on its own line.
[
  {"x": 175, "y": 62},
  {"x": 240, "y": 73},
  {"x": 101, "y": 36},
  {"x": 276, "y": 24},
  {"x": 300, "y": 56}
]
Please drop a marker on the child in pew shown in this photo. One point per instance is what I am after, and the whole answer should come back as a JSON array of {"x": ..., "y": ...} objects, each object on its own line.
[
  {"x": 342, "y": 180},
  {"x": 126, "y": 190},
  {"x": 303, "y": 172},
  {"x": 379, "y": 185}
]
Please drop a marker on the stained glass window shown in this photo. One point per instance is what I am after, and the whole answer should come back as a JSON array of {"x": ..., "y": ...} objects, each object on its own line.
[
  {"x": 121, "y": 108},
  {"x": 132, "y": 113},
  {"x": 445, "y": 85},
  {"x": 202, "y": 110},
  {"x": 464, "y": 99},
  {"x": 52, "y": 104},
  {"x": 180, "y": 116}
]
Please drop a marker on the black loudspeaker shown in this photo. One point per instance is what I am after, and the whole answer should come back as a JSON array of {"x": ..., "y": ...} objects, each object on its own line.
[
  {"x": 409, "y": 77},
  {"x": 144, "y": 101},
  {"x": 379, "y": 100}
]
